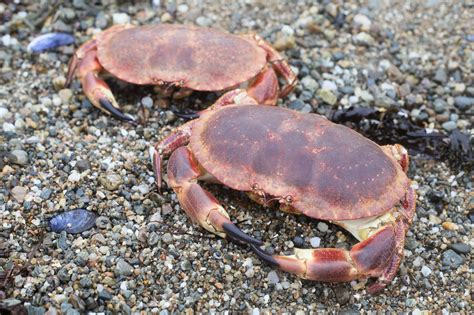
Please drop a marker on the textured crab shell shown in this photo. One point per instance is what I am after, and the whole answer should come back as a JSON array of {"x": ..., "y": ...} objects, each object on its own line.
[
  {"x": 330, "y": 171},
  {"x": 201, "y": 59}
]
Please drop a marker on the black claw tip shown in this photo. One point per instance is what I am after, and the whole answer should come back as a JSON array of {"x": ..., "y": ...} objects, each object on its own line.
[
  {"x": 263, "y": 255},
  {"x": 188, "y": 116},
  {"x": 237, "y": 234},
  {"x": 107, "y": 105}
]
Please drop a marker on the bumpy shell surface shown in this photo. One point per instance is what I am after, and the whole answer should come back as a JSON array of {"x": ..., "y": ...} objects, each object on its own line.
[
  {"x": 203, "y": 59},
  {"x": 330, "y": 171}
]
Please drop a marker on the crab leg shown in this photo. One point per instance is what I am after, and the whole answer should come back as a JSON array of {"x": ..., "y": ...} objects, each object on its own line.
[
  {"x": 178, "y": 138},
  {"x": 379, "y": 255},
  {"x": 264, "y": 88},
  {"x": 366, "y": 259},
  {"x": 278, "y": 63},
  {"x": 199, "y": 204},
  {"x": 86, "y": 66},
  {"x": 399, "y": 153}
]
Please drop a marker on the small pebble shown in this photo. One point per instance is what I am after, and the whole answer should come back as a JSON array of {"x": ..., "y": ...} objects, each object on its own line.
[
  {"x": 451, "y": 259},
  {"x": 441, "y": 76},
  {"x": 450, "y": 226},
  {"x": 460, "y": 248},
  {"x": 111, "y": 181},
  {"x": 19, "y": 157},
  {"x": 273, "y": 277},
  {"x": 449, "y": 125},
  {"x": 19, "y": 193},
  {"x": 425, "y": 271},
  {"x": 463, "y": 103},
  {"x": 315, "y": 242},
  {"x": 323, "y": 227},
  {"x": 363, "y": 39},
  {"x": 327, "y": 96},
  {"x": 120, "y": 18},
  {"x": 123, "y": 268}
]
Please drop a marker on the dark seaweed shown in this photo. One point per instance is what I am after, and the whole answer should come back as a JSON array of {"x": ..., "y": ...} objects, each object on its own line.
[{"x": 390, "y": 127}]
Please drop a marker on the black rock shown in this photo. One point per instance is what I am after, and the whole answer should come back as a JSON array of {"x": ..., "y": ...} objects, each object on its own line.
[{"x": 298, "y": 241}]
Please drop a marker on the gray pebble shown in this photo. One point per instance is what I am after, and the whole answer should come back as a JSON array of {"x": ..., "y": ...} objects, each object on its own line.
[
  {"x": 72, "y": 311},
  {"x": 167, "y": 238},
  {"x": 153, "y": 238},
  {"x": 323, "y": 227},
  {"x": 460, "y": 248},
  {"x": 62, "y": 241},
  {"x": 123, "y": 268},
  {"x": 19, "y": 157},
  {"x": 343, "y": 294},
  {"x": 298, "y": 241},
  {"x": 439, "y": 105},
  {"x": 451, "y": 259},
  {"x": 441, "y": 76},
  {"x": 33, "y": 310},
  {"x": 82, "y": 258},
  {"x": 449, "y": 125},
  {"x": 102, "y": 222},
  {"x": 85, "y": 282},
  {"x": 463, "y": 103},
  {"x": 63, "y": 275},
  {"x": 296, "y": 104},
  {"x": 105, "y": 295},
  {"x": 101, "y": 20},
  {"x": 45, "y": 193},
  {"x": 83, "y": 165},
  {"x": 273, "y": 277}
]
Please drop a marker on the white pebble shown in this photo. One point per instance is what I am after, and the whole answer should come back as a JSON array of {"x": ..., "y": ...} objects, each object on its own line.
[
  {"x": 329, "y": 85},
  {"x": 74, "y": 176},
  {"x": 363, "y": 21},
  {"x": 183, "y": 8},
  {"x": 7, "y": 127},
  {"x": 120, "y": 18},
  {"x": 288, "y": 30},
  {"x": 315, "y": 241},
  {"x": 6, "y": 40},
  {"x": 417, "y": 262},
  {"x": 250, "y": 273},
  {"x": 3, "y": 112},
  {"x": 147, "y": 102},
  {"x": 425, "y": 271}
]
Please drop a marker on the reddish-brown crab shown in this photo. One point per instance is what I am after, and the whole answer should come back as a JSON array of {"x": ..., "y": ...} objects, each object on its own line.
[
  {"x": 310, "y": 166},
  {"x": 183, "y": 56}
]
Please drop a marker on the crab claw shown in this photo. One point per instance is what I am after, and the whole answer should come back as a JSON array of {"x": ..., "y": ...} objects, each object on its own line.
[
  {"x": 370, "y": 258},
  {"x": 107, "y": 105},
  {"x": 188, "y": 116},
  {"x": 236, "y": 234},
  {"x": 199, "y": 204}
]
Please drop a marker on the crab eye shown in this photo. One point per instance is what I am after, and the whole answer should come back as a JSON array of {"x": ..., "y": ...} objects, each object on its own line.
[{"x": 289, "y": 199}]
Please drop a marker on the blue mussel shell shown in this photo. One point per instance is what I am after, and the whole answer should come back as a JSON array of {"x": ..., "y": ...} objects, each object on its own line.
[
  {"x": 73, "y": 221},
  {"x": 50, "y": 41}
]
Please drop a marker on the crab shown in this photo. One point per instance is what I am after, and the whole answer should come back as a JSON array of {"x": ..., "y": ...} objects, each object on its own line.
[
  {"x": 308, "y": 166},
  {"x": 183, "y": 57}
]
